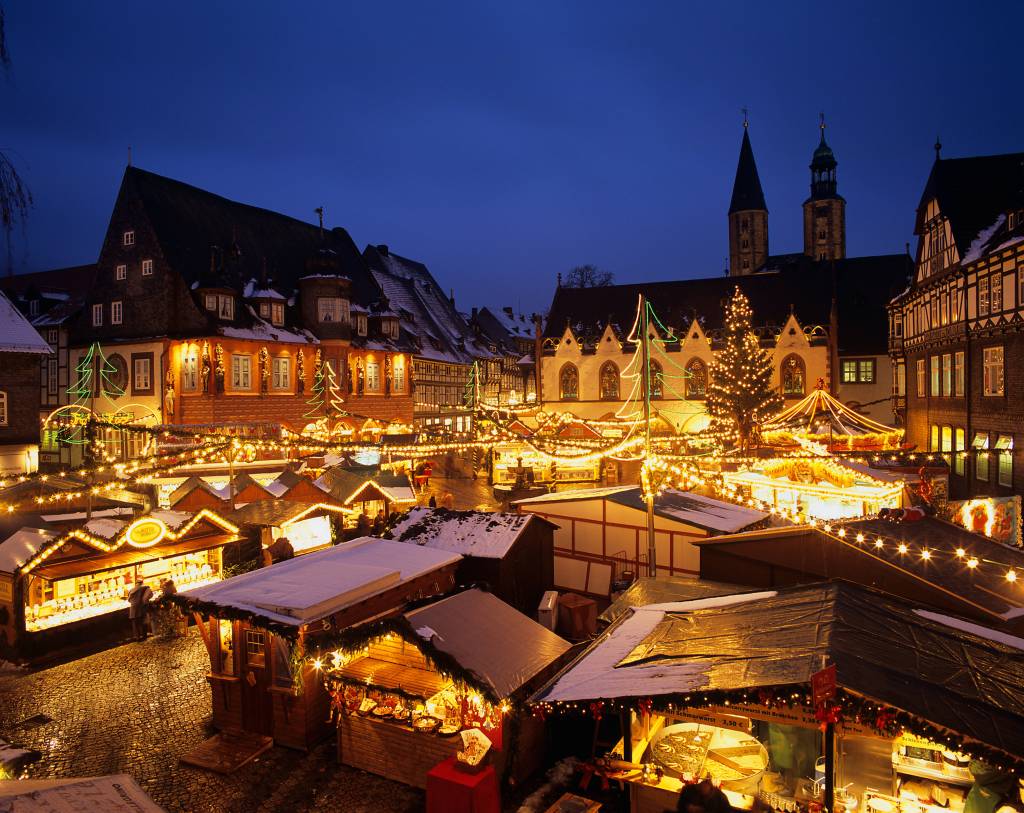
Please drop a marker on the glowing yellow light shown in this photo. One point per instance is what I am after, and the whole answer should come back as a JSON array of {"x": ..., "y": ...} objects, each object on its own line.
[
  {"x": 1011, "y": 575},
  {"x": 972, "y": 563},
  {"x": 903, "y": 547},
  {"x": 926, "y": 554},
  {"x": 960, "y": 552}
]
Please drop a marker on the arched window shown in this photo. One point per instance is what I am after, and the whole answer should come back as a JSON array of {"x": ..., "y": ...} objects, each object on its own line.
[
  {"x": 697, "y": 382},
  {"x": 794, "y": 376},
  {"x": 569, "y": 383},
  {"x": 609, "y": 381},
  {"x": 657, "y": 379}
]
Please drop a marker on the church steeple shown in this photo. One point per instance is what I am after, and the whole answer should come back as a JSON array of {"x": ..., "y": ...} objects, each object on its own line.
[
  {"x": 825, "y": 209},
  {"x": 748, "y": 214}
]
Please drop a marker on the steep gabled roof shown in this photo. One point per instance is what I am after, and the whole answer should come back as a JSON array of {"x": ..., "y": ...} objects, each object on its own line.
[
  {"x": 189, "y": 220},
  {"x": 973, "y": 192},
  {"x": 746, "y": 189}
]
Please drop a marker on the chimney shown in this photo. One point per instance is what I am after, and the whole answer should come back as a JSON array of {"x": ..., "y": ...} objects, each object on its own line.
[
  {"x": 382, "y": 249},
  {"x": 508, "y": 311},
  {"x": 474, "y": 312}
]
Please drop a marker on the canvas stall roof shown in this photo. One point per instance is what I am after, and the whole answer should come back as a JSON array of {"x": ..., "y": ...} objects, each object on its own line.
[
  {"x": 882, "y": 649},
  {"x": 471, "y": 533},
  {"x": 648, "y": 590},
  {"x": 708, "y": 513},
  {"x": 20, "y": 546},
  {"x": 502, "y": 647},
  {"x": 16, "y": 333},
  {"x": 318, "y": 584},
  {"x": 273, "y": 513}
]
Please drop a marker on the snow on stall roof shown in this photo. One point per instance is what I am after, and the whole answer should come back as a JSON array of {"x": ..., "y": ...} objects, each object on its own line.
[
  {"x": 694, "y": 509},
  {"x": 101, "y": 512},
  {"x": 595, "y": 676},
  {"x": 318, "y": 584},
  {"x": 105, "y": 528},
  {"x": 973, "y": 629},
  {"x": 172, "y": 519},
  {"x": 575, "y": 494},
  {"x": 977, "y": 247},
  {"x": 16, "y": 333},
  {"x": 471, "y": 533},
  {"x": 21, "y": 546}
]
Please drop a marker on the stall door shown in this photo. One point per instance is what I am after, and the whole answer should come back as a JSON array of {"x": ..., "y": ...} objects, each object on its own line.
[{"x": 257, "y": 708}]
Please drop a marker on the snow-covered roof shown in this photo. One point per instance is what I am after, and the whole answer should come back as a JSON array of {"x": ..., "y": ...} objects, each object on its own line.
[
  {"x": 263, "y": 331},
  {"x": 321, "y": 583},
  {"x": 979, "y": 244},
  {"x": 16, "y": 333},
  {"x": 974, "y": 629},
  {"x": 595, "y": 676},
  {"x": 105, "y": 528},
  {"x": 471, "y": 533},
  {"x": 253, "y": 291},
  {"x": 575, "y": 494},
  {"x": 21, "y": 546}
]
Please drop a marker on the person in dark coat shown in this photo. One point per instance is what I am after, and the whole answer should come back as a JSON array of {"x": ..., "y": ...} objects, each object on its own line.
[
  {"x": 702, "y": 797},
  {"x": 433, "y": 501},
  {"x": 138, "y": 609},
  {"x": 363, "y": 524}
]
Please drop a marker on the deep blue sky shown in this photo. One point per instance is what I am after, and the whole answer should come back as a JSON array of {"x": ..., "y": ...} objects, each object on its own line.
[{"x": 503, "y": 142}]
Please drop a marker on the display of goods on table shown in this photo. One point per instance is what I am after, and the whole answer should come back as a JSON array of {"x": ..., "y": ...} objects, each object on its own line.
[{"x": 693, "y": 750}]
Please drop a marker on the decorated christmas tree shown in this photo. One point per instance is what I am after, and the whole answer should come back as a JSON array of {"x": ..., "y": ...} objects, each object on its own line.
[{"x": 741, "y": 396}]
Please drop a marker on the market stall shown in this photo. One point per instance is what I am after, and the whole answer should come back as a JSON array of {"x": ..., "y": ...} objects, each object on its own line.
[
  {"x": 56, "y": 587},
  {"x": 826, "y": 696},
  {"x": 821, "y": 418},
  {"x": 258, "y": 626},
  {"x": 306, "y": 526},
  {"x": 405, "y": 690}
]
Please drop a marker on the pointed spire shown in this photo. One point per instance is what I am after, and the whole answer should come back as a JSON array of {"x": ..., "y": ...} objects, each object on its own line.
[
  {"x": 746, "y": 189},
  {"x": 938, "y": 149}
]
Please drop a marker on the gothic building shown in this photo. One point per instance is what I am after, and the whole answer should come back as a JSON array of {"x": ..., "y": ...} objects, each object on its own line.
[{"x": 818, "y": 313}]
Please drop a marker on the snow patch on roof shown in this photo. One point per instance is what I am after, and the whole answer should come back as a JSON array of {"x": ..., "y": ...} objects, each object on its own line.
[
  {"x": 21, "y": 546},
  {"x": 16, "y": 333},
  {"x": 470, "y": 533},
  {"x": 973, "y": 629},
  {"x": 263, "y": 331},
  {"x": 977, "y": 247},
  {"x": 254, "y": 292}
]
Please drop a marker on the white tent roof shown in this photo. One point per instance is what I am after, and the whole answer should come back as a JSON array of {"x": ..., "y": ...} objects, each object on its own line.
[
  {"x": 319, "y": 584},
  {"x": 16, "y": 333},
  {"x": 471, "y": 533}
]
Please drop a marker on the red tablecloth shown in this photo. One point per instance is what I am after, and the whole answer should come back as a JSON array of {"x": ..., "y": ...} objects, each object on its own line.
[{"x": 451, "y": 790}]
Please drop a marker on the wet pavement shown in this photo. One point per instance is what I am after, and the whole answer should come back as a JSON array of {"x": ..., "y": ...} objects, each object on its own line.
[{"x": 138, "y": 707}]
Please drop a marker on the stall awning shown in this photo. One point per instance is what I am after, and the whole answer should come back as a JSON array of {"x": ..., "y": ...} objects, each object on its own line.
[
  {"x": 948, "y": 673},
  {"x": 502, "y": 647},
  {"x": 123, "y": 557}
]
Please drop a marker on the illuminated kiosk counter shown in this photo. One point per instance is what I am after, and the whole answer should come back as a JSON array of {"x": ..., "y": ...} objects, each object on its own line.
[
  {"x": 60, "y": 588},
  {"x": 825, "y": 695}
]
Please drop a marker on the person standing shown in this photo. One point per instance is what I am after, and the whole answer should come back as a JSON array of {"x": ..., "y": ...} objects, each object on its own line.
[{"x": 138, "y": 607}]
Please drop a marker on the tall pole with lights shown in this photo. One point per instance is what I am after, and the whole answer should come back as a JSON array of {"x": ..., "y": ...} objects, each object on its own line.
[{"x": 652, "y": 569}]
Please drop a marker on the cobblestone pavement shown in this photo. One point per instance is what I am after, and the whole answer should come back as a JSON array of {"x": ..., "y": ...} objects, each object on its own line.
[{"x": 136, "y": 708}]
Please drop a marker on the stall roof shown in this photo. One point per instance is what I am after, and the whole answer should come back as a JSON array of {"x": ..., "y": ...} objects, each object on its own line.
[
  {"x": 346, "y": 486},
  {"x": 502, "y": 647},
  {"x": 716, "y": 516},
  {"x": 985, "y": 587},
  {"x": 941, "y": 673},
  {"x": 22, "y": 545},
  {"x": 471, "y": 533},
  {"x": 190, "y": 485},
  {"x": 321, "y": 583},
  {"x": 275, "y": 513},
  {"x": 648, "y": 590}
]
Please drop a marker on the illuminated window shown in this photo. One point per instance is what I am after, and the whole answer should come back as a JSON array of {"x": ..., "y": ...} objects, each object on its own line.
[
  {"x": 958, "y": 446},
  {"x": 609, "y": 381},
  {"x": 936, "y": 376},
  {"x": 255, "y": 647},
  {"x": 226, "y": 306},
  {"x": 697, "y": 382},
  {"x": 993, "y": 370},
  {"x": 211, "y": 302},
  {"x": 980, "y": 447},
  {"x": 372, "y": 376},
  {"x": 569, "y": 383},
  {"x": 958, "y": 373},
  {"x": 897, "y": 326},
  {"x": 933, "y": 445},
  {"x": 280, "y": 376},
  {"x": 899, "y": 380},
  {"x": 142, "y": 373},
  {"x": 277, "y": 313},
  {"x": 947, "y": 374},
  {"x": 147, "y": 268},
  {"x": 189, "y": 373},
  {"x": 996, "y": 293},
  {"x": 657, "y": 379},
  {"x": 1004, "y": 446},
  {"x": 398, "y": 374},
  {"x": 793, "y": 376},
  {"x": 332, "y": 309},
  {"x": 921, "y": 392},
  {"x": 241, "y": 372},
  {"x": 983, "y": 296},
  {"x": 858, "y": 371}
]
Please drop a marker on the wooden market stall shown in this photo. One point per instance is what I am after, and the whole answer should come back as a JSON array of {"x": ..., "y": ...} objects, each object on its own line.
[
  {"x": 511, "y": 553},
  {"x": 60, "y": 587},
  {"x": 602, "y": 532},
  {"x": 307, "y": 526},
  {"x": 828, "y": 695},
  {"x": 403, "y": 689},
  {"x": 257, "y": 625}
]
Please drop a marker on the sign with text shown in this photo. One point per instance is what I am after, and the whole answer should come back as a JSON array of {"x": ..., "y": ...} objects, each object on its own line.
[{"x": 823, "y": 685}]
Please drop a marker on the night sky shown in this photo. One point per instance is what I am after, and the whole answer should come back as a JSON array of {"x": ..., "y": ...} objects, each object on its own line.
[{"x": 501, "y": 143}]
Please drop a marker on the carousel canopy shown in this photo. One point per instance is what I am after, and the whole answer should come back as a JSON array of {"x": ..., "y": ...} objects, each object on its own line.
[
  {"x": 941, "y": 670},
  {"x": 820, "y": 414}
]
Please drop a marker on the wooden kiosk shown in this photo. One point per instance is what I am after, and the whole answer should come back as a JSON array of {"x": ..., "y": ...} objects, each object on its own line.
[
  {"x": 403, "y": 689},
  {"x": 257, "y": 626}
]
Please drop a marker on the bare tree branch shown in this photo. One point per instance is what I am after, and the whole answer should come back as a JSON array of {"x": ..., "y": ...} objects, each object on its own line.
[{"x": 588, "y": 276}]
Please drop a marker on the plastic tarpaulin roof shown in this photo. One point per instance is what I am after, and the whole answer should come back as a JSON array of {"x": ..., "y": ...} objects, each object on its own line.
[
  {"x": 662, "y": 589},
  {"x": 502, "y": 647},
  {"x": 947, "y": 675}
]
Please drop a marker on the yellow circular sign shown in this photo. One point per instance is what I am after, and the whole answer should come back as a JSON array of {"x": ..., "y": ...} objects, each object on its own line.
[{"x": 146, "y": 532}]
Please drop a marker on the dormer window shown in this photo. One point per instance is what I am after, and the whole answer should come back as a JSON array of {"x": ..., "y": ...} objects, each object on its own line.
[
  {"x": 332, "y": 309},
  {"x": 389, "y": 327},
  {"x": 1011, "y": 221},
  {"x": 277, "y": 313},
  {"x": 361, "y": 324},
  {"x": 226, "y": 307},
  {"x": 211, "y": 302},
  {"x": 264, "y": 310},
  {"x": 128, "y": 238}
]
